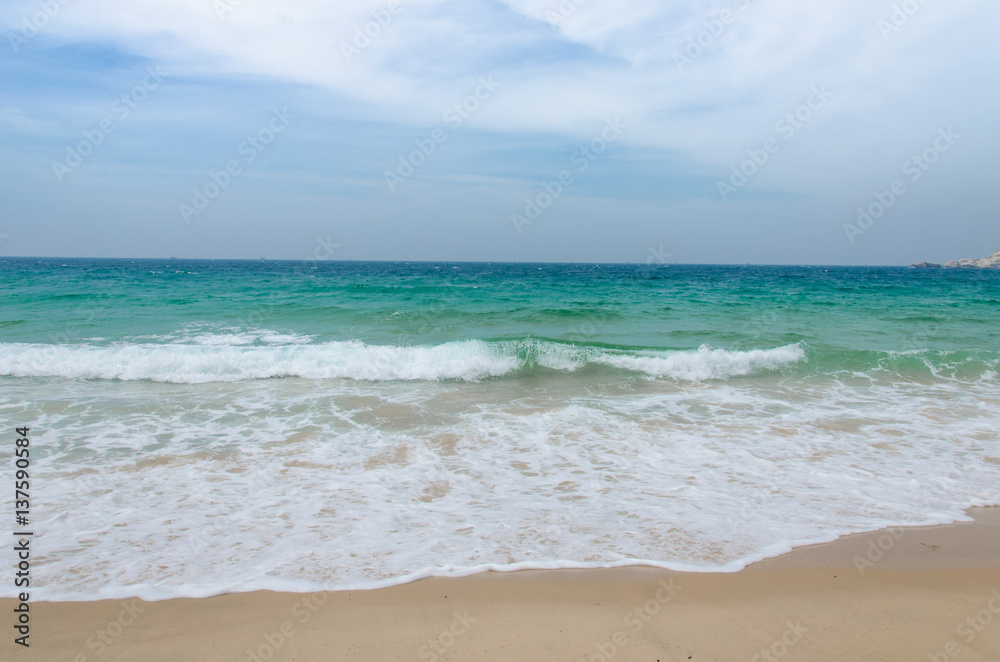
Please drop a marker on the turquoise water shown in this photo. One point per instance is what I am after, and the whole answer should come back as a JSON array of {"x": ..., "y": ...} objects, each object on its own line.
[
  {"x": 844, "y": 314},
  {"x": 239, "y": 425}
]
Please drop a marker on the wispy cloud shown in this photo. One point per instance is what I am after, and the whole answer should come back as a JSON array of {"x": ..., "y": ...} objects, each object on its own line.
[{"x": 566, "y": 66}]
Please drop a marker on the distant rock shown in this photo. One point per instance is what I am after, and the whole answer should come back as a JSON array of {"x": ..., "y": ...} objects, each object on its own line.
[{"x": 990, "y": 262}]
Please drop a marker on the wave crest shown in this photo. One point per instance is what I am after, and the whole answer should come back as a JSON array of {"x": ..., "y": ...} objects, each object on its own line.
[{"x": 469, "y": 360}]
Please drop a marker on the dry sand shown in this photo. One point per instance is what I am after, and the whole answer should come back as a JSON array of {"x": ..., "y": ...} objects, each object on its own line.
[{"x": 933, "y": 593}]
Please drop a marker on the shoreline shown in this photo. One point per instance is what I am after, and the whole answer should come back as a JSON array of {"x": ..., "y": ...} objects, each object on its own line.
[{"x": 905, "y": 593}]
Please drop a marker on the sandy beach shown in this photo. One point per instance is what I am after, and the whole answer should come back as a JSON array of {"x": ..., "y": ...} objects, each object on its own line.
[
  {"x": 562, "y": 331},
  {"x": 923, "y": 593}
]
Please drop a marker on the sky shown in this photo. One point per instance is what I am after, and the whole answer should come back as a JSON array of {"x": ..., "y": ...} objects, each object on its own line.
[{"x": 707, "y": 131}]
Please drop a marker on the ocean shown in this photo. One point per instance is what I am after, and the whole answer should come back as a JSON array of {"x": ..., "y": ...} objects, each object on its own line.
[{"x": 201, "y": 427}]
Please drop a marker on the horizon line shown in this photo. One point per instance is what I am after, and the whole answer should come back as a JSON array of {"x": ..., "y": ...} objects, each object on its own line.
[{"x": 398, "y": 261}]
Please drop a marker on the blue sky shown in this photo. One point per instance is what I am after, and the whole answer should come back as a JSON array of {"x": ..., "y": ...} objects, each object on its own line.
[{"x": 648, "y": 111}]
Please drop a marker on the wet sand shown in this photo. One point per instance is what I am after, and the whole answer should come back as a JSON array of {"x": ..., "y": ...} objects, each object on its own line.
[{"x": 922, "y": 593}]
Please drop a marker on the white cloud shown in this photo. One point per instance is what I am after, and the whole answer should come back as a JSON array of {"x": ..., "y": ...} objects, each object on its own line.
[{"x": 565, "y": 71}]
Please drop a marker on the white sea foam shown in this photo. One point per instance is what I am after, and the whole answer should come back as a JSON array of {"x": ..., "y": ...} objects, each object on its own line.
[
  {"x": 238, "y": 357},
  {"x": 162, "y": 490},
  {"x": 707, "y": 363}
]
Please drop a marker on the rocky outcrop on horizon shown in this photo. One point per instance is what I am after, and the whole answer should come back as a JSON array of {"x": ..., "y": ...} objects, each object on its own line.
[{"x": 990, "y": 262}]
